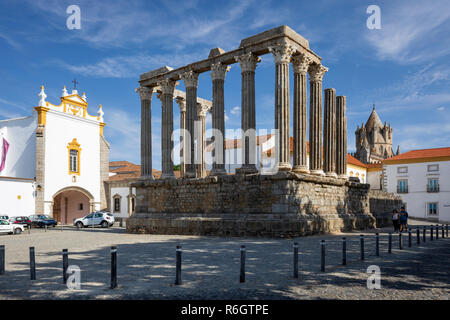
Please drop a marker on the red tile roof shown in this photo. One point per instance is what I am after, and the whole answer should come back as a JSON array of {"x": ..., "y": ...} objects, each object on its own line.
[{"x": 421, "y": 154}]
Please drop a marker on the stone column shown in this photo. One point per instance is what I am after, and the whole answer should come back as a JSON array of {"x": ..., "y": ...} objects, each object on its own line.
[
  {"x": 201, "y": 142},
  {"x": 300, "y": 65},
  {"x": 282, "y": 56},
  {"x": 182, "y": 103},
  {"x": 248, "y": 63},
  {"x": 166, "y": 97},
  {"x": 316, "y": 73},
  {"x": 146, "y": 131},
  {"x": 329, "y": 134},
  {"x": 341, "y": 137},
  {"x": 190, "y": 82},
  {"x": 218, "y": 72}
]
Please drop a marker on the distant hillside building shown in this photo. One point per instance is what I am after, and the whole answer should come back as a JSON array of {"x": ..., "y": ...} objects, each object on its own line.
[{"x": 374, "y": 140}]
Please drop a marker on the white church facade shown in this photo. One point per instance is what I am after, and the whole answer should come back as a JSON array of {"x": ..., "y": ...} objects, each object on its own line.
[{"x": 54, "y": 162}]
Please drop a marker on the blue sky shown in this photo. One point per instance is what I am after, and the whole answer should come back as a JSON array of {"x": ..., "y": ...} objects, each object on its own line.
[{"x": 403, "y": 68}]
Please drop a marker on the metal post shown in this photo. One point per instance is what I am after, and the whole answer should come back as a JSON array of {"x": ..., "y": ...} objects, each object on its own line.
[
  {"x": 322, "y": 260},
  {"x": 361, "y": 239},
  {"x": 390, "y": 243},
  {"x": 443, "y": 235},
  {"x": 377, "y": 244},
  {"x": 113, "y": 267},
  {"x": 446, "y": 229},
  {"x": 178, "y": 266},
  {"x": 431, "y": 233},
  {"x": 424, "y": 234},
  {"x": 242, "y": 273},
  {"x": 344, "y": 251},
  {"x": 32, "y": 264},
  {"x": 400, "y": 238},
  {"x": 65, "y": 256},
  {"x": 45, "y": 228},
  {"x": 437, "y": 231},
  {"x": 121, "y": 222},
  {"x": 409, "y": 239},
  {"x": 295, "y": 260},
  {"x": 2, "y": 259},
  {"x": 418, "y": 236},
  {"x": 29, "y": 228}
]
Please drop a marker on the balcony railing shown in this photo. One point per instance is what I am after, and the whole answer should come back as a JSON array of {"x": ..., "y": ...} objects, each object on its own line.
[
  {"x": 432, "y": 188},
  {"x": 403, "y": 189}
]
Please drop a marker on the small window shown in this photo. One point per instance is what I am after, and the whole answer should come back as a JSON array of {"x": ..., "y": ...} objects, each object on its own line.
[
  {"x": 80, "y": 207},
  {"x": 116, "y": 204},
  {"x": 432, "y": 209},
  {"x": 73, "y": 160},
  {"x": 433, "y": 167},
  {"x": 132, "y": 204},
  {"x": 402, "y": 186},
  {"x": 402, "y": 170}
]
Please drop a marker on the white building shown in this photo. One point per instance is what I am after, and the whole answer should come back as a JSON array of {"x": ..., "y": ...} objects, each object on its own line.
[
  {"x": 55, "y": 161},
  {"x": 422, "y": 179}
]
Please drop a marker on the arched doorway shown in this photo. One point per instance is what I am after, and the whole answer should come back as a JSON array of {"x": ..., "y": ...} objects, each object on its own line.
[{"x": 72, "y": 203}]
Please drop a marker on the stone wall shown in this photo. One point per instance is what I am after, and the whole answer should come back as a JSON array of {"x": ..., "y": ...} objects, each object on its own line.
[
  {"x": 282, "y": 205},
  {"x": 381, "y": 204}
]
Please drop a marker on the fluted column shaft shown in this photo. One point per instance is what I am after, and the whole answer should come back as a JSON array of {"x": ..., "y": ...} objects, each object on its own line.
[
  {"x": 341, "y": 136},
  {"x": 218, "y": 72},
  {"x": 181, "y": 102},
  {"x": 191, "y": 81},
  {"x": 315, "y": 119},
  {"x": 300, "y": 65},
  {"x": 282, "y": 56},
  {"x": 248, "y": 119},
  {"x": 329, "y": 135},
  {"x": 167, "y": 88},
  {"x": 201, "y": 142},
  {"x": 146, "y": 131}
]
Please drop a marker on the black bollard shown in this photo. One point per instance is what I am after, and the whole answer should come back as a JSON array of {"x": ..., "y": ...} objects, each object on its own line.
[
  {"x": 446, "y": 230},
  {"x": 390, "y": 243},
  {"x": 121, "y": 222},
  {"x": 32, "y": 264},
  {"x": 400, "y": 238},
  {"x": 29, "y": 228},
  {"x": 242, "y": 273},
  {"x": 65, "y": 256},
  {"x": 431, "y": 233},
  {"x": 409, "y": 239},
  {"x": 437, "y": 231},
  {"x": 178, "y": 266},
  {"x": 295, "y": 260},
  {"x": 361, "y": 240},
  {"x": 377, "y": 244},
  {"x": 2, "y": 259},
  {"x": 424, "y": 234},
  {"x": 344, "y": 251},
  {"x": 443, "y": 235},
  {"x": 322, "y": 255},
  {"x": 418, "y": 235},
  {"x": 45, "y": 228},
  {"x": 113, "y": 267}
]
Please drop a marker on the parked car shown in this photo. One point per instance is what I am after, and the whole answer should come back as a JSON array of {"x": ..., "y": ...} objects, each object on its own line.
[
  {"x": 25, "y": 221},
  {"x": 4, "y": 217},
  {"x": 98, "y": 218},
  {"x": 42, "y": 220},
  {"x": 7, "y": 227}
]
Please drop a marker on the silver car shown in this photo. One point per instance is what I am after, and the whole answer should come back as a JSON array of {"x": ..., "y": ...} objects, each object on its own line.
[
  {"x": 12, "y": 228},
  {"x": 98, "y": 218}
]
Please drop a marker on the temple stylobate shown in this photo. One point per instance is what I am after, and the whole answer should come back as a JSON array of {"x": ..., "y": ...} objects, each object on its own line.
[{"x": 287, "y": 48}]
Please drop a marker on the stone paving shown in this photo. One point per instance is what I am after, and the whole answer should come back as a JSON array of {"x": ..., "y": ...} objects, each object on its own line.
[{"x": 146, "y": 267}]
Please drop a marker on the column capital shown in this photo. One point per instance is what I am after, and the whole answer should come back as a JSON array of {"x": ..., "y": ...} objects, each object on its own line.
[
  {"x": 168, "y": 86},
  {"x": 248, "y": 61},
  {"x": 316, "y": 72},
  {"x": 301, "y": 63},
  {"x": 202, "y": 109},
  {"x": 182, "y": 103},
  {"x": 145, "y": 92},
  {"x": 218, "y": 71},
  {"x": 190, "y": 78},
  {"x": 282, "y": 53}
]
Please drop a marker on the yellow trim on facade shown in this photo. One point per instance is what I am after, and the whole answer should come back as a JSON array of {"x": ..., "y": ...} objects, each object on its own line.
[
  {"x": 74, "y": 145},
  {"x": 374, "y": 169},
  {"x": 355, "y": 167},
  {"x": 42, "y": 115},
  {"x": 417, "y": 160},
  {"x": 102, "y": 125}
]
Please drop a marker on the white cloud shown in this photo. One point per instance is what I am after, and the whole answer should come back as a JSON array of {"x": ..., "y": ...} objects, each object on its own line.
[
  {"x": 235, "y": 110},
  {"x": 440, "y": 108},
  {"x": 412, "y": 31}
]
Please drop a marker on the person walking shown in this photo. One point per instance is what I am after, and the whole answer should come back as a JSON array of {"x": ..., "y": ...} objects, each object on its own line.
[
  {"x": 403, "y": 220},
  {"x": 395, "y": 220}
]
